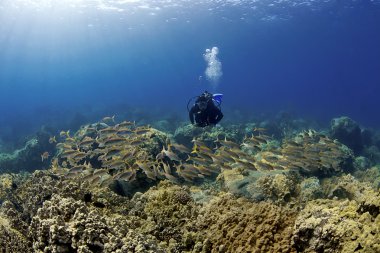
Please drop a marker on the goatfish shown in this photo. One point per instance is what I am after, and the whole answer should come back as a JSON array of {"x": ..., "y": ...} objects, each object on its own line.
[
  {"x": 188, "y": 174},
  {"x": 251, "y": 146},
  {"x": 114, "y": 164},
  {"x": 271, "y": 159},
  {"x": 228, "y": 152},
  {"x": 171, "y": 178},
  {"x": 68, "y": 153},
  {"x": 77, "y": 169},
  {"x": 70, "y": 140},
  {"x": 87, "y": 141},
  {"x": 263, "y": 166},
  {"x": 136, "y": 142},
  {"x": 125, "y": 124},
  {"x": 260, "y": 139},
  {"x": 259, "y": 129},
  {"x": 187, "y": 166},
  {"x": 225, "y": 158},
  {"x": 205, "y": 157},
  {"x": 166, "y": 168},
  {"x": 181, "y": 148},
  {"x": 141, "y": 131},
  {"x": 109, "y": 119},
  {"x": 170, "y": 154},
  {"x": 127, "y": 154},
  {"x": 107, "y": 131},
  {"x": 44, "y": 156},
  {"x": 90, "y": 130},
  {"x": 208, "y": 171},
  {"x": 65, "y": 134},
  {"x": 247, "y": 165},
  {"x": 292, "y": 143},
  {"x": 112, "y": 152},
  {"x": 112, "y": 141},
  {"x": 124, "y": 131},
  {"x": 126, "y": 176},
  {"x": 198, "y": 142},
  {"x": 106, "y": 180},
  {"x": 198, "y": 160},
  {"x": 201, "y": 148},
  {"x": 147, "y": 170},
  {"x": 52, "y": 140},
  {"x": 63, "y": 146},
  {"x": 228, "y": 144},
  {"x": 79, "y": 156}
]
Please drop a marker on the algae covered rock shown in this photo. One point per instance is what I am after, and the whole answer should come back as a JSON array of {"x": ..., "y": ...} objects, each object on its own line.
[
  {"x": 67, "y": 225},
  {"x": 371, "y": 176},
  {"x": 209, "y": 135},
  {"x": 349, "y": 222},
  {"x": 167, "y": 211},
  {"x": 277, "y": 186},
  {"x": 11, "y": 240},
  {"x": 28, "y": 157},
  {"x": 348, "y": 132},
  {"x": 336, "y": 226},
  {"x": 361, "y": 163},
  {"x": 228, "y": 224},
  {"x": 310, "y": 189}
]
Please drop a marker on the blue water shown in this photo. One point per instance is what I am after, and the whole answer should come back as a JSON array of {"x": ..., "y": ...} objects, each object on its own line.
[{"x": 316, "y": 59}]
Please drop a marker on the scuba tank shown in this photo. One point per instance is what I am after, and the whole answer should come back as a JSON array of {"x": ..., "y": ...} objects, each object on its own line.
[{"x": 216, "y": 98}]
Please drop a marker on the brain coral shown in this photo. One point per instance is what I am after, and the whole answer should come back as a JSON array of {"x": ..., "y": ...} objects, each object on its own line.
[{"x": 237, "y": 225}]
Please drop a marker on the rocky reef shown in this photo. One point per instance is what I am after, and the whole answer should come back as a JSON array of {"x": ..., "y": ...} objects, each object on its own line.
[
  {"x": 348, "y": 222},
  {"x": 28, "y": 157},
  {"x": 166, "y": 218},
  {"x": 119, "y": 187},
  {"x": 237, "y": 225}
]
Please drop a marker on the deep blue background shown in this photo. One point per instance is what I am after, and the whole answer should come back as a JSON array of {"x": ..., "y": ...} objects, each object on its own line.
[{"x": 318, "y": 64}]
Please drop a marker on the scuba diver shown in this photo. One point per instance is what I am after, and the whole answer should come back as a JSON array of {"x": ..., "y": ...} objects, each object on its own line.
[{"x": 206, "y": 110}]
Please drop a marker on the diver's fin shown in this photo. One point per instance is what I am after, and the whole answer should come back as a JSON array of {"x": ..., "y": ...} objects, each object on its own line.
[{"x": 217, "y": 98}]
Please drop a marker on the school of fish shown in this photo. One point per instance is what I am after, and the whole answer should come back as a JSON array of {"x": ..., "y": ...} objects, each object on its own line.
[{"x": 105, "y": 152}]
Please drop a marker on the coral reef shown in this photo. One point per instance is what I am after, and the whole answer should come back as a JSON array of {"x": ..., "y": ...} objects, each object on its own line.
[
  {"x": 66, "y": 225},
  {"x": 310, "y": 189},
  {"x": 62, "y": 215},
  {"x": 237, "y": 225},
  {"x": 361, "y": 163},
  {"x": 347, "y": 225},
  {"x": 371, "y": 176},
  {"x": 127, "y": 188},
  {"x": 11, "y": 240},
  {"x": 372, "y": 153},
  {"x": 167, "y": 212},
  {"x": 208, "y": 135},
  {"x": 336, "y": 226},
  {"x": 276, "y": 186}
]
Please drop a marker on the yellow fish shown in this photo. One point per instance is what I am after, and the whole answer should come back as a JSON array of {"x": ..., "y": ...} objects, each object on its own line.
[
  {"x": 52, "y": 140},
  {"x": 44, "y": 156}
]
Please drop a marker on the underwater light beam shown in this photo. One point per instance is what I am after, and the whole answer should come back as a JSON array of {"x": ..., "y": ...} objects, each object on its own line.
[{"x": 213, "y": 71}]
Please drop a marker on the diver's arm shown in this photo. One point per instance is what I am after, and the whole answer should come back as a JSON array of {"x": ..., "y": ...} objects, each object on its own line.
[
  {"x": 219, "y": 116},
  {"x": 191, "y": 115}
]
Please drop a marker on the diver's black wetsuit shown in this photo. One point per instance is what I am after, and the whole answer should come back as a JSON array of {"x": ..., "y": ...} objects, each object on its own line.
[{"x": 210, "y": 116}]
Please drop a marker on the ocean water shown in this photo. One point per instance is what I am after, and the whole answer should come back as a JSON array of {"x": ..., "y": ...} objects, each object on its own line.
[
  {"x": 276, "y": 177},
  {"x": 86, "y": 59}
]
